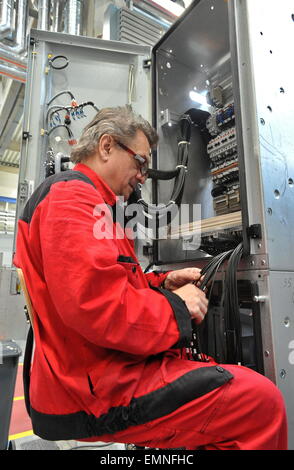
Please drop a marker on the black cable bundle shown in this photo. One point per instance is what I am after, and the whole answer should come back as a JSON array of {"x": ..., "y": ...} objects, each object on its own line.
[
  {"x": 208, "y": 274},
  {"x": 231, "y": 305},
  {"x": 179, "y": 173},
  {"x": 162, "y": 175},
  {"x": 231, "y": 309},
  {"x": 209, "y": 271}
]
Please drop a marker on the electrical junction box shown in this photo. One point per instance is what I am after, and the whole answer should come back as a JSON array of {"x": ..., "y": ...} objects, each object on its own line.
[{"x": 225, "y": 64}]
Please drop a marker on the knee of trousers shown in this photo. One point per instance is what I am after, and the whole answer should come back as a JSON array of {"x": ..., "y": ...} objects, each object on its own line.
[{"x": 255, "y": 392}]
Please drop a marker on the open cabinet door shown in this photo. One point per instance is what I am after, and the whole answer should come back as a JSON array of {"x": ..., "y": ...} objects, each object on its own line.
[
  {"x": 230, "y": 60},
  {"x": 193, "y": 75},
  {"x": 226, "y": 64},
  {"x": 69, "y": 79}
]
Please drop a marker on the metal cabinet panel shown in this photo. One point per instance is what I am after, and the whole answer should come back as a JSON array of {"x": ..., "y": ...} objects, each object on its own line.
[{"x": 107, "y": 73}]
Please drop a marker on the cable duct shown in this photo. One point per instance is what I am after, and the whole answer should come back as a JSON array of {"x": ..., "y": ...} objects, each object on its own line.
[
  {"x": 56, "y": 15},
  {"x": 73, "y": 19},
  {"x": 20, "y": 37},
  {"x": 64, "y": 15},
  {"x": 12, "y": 63},
  {"x": 6, "y": 17},
  {"x": 13, "y": 72},
  {"x": 43, "y": 15}
]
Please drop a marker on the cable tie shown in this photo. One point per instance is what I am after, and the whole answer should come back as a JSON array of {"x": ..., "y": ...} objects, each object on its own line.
[
  {"x": 182, "y": 166},
  {"x": 183, "y": 142}
]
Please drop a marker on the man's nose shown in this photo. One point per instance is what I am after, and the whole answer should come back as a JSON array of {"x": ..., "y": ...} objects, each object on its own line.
[{"x": 141, "y": 178}]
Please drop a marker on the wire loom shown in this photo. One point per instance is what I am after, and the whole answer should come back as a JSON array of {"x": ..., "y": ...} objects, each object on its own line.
[
  {"x": 179, "y": 173},
  {"x": 231, "y": 337}
]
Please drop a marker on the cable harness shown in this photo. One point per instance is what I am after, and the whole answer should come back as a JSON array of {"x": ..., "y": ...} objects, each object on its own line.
[{"x": 231, "y": 337}]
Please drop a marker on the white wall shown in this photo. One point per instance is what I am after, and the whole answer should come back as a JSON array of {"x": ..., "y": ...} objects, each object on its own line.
[{"x": 8, "y": 184}]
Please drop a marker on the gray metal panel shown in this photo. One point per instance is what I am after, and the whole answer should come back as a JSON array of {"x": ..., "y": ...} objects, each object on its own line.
[
  {"x": 108, "y": 73},
  {"x": 281, "y": 295},
  {"x": 267, "y": 95}
]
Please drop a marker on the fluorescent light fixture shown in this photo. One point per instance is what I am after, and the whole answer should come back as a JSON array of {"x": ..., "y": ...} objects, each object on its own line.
[
  {"x": 169, "y": 6},
  {"x": 200, "y": 99}
]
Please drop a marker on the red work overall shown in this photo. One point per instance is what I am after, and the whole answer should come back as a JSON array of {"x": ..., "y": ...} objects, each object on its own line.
[{"x": 108, "y": 361}]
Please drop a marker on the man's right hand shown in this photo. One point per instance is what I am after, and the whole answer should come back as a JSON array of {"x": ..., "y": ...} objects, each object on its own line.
[{"x": 195, "y": 300}]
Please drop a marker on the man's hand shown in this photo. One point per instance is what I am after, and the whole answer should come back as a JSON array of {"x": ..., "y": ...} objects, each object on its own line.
[
  {"x": 195, "y": 300},
  {"x": 179, "y": 278}
]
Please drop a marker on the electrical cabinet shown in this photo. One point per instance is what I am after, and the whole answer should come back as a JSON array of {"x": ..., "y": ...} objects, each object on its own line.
[{"x": 225, "y": 64}]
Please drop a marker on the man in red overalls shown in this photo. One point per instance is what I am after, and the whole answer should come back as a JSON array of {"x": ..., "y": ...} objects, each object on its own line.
[{"x": 109, "y": 340}]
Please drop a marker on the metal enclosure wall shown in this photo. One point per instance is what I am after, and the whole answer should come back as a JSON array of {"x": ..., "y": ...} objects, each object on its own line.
[
  {"x": 263, "y": 31},
  {"x": 242, "y": 45}
]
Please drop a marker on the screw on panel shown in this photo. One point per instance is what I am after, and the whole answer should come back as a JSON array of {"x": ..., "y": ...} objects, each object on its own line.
[
  {"x": 147, "y": 64},
  {"x": 283, "y": 374}
]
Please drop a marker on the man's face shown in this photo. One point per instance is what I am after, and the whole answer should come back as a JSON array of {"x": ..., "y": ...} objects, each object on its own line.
[{"x": 125, "y": 168}]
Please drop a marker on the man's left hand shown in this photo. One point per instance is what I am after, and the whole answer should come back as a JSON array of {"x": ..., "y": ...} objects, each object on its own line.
[{"x": 179, "y": 278}]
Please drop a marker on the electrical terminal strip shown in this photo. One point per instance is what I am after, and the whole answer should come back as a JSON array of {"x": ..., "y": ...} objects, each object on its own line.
[
  {"x": 220, "y": 119},
  {"x": 226, "y": 140},
  {"x": 223, "y": 154}
]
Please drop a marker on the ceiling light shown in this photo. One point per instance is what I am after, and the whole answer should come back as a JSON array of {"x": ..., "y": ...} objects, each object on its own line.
[{"x": 197, "y": 98}]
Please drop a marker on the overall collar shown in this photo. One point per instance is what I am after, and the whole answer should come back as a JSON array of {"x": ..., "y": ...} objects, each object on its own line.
[{"x": 103, "y": 188}]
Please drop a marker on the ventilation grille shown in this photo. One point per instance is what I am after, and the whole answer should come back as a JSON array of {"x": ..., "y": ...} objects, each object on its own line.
[{"x": 138, "y": 29}]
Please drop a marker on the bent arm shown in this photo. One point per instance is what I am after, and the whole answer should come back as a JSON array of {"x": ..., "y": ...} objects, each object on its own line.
[{"x": 91, "y": 290}]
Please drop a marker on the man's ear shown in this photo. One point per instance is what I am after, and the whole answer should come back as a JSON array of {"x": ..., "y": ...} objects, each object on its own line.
[{"x": 104, "y": 145}]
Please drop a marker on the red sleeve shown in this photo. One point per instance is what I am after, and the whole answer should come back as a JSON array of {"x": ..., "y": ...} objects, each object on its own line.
[
  {"x": 155, "y": 278},
  {"x": 91, "y": 290}
]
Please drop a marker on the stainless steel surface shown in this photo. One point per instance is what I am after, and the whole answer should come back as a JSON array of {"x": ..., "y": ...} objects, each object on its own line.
[
  {"x": 43, "y": 15},
  {"x": 13, "y": 72},
  {"x": 266, "y": 91},
  {"x": 73, "y": 17},
  {"x": 281, "y": 291},
  {"x": 19, "y": 44},
  {"x": 6, "y": 18}
]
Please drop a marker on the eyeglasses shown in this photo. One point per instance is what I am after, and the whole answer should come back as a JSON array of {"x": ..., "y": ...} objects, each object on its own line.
[{"x": 143, "y": 162}]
